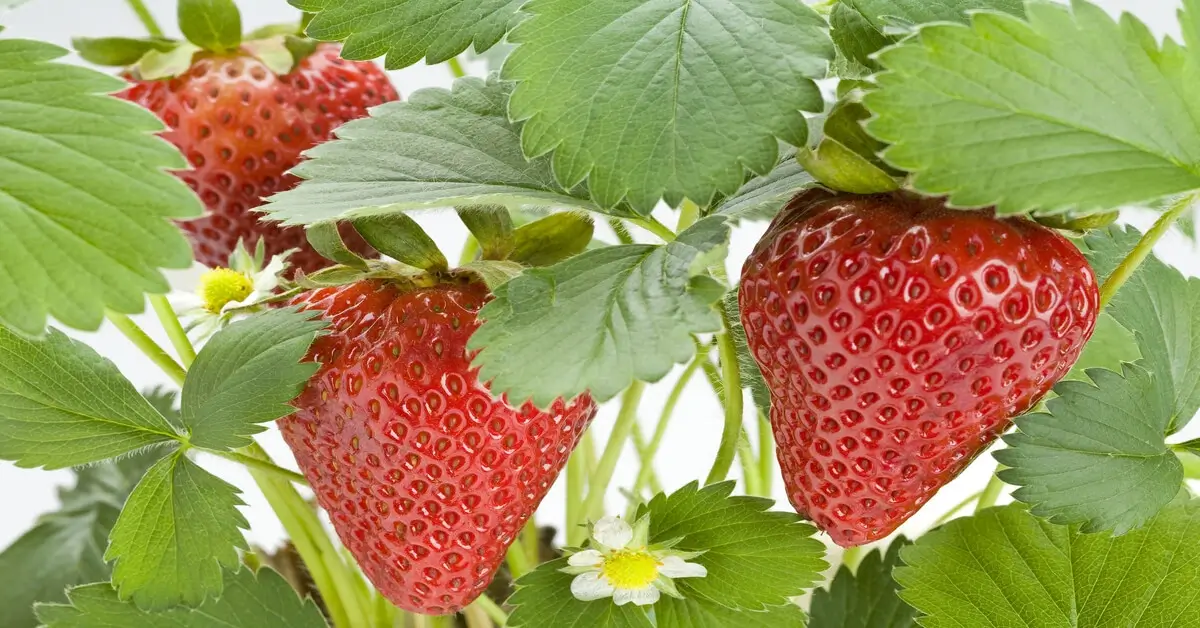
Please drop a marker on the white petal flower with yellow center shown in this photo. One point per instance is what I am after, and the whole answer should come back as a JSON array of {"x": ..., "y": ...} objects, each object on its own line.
[
  {"x": 224, "y": 292},
  {"x": 622, "y": 565}
]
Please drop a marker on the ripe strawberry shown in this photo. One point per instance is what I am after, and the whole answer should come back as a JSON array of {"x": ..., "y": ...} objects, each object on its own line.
[
  {"x": 898, "y": 339},
  {"x": 242, "y": 128},
  {"x": 427, "y": 477}
]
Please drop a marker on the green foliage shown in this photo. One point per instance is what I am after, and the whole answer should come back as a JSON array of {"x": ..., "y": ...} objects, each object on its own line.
[
  {"x": 1009, "y": 97},
  {"x": 179, "y": 527},
  {"x": 752, "y": 376},
  {"x": 599, "y": 320},
  {"x": 63, "y": 405},
  {"x": 702, "y": 613},
  {"x": 119, "y": 51},
  {"x": 84, "y": 200},
  {"x": 1004, "y": 567},
  {"x": 1110, "y": 345},
  {"x": 407, "y": 30},
  {"x": 439, "y": 148},
  {"x": 676, "y": 99},
  {"x": 865, "y": 598},
  {"x": 211, "y": 24},
  {"x": 543, "y": 598},
  {"x": 761, "y": 198},
  {"x": 246, "y": 375},
  {"x": 249, "y": 600},
  {"x": 401, "y": 238}
]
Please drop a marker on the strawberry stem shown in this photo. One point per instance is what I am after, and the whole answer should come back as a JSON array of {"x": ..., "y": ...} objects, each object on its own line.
[
  {"x": 651, "y": 224},
  {"x": 576, "y": 485},
  {"x": 261, "y": 465},
  {"x": 640, "y": 445},
  {"x": 1144, "y": 248},
  {"x": 456, "y": 67},
  {"x": 852, "y": 556},
  {"x": 991, "y": 493},
  {"x": 749, "y": 464},
  {"x": 731, "y": 382},
  {"x": 145, "y": 17},
  {"x": 142, "y": 341},
  {"x": 529, "y": 537},
  {"x": 517, "y": 559},
  {"x": 946, "y": 516},
  {"x": 622, "y": 231},
  {"x": 170, "y": 323},
  {"x": 664, "y": 418},
  {"x": 593, "y": 506},
  {"x": 492, "y": 609}
]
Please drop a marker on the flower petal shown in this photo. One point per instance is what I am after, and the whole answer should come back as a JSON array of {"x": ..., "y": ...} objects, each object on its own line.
[
  {"x": 590, "y": 586},
  {"x": 642, "y": 597},
  {"x": 586, "y": 558},
  {"x": 612, "y": 532},
  {"x": 676, "y": 567}
]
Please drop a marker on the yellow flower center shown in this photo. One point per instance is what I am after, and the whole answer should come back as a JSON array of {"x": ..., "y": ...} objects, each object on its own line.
[
  {"x": 221, "y": 286},
  {"x": 626, "y": 569}
]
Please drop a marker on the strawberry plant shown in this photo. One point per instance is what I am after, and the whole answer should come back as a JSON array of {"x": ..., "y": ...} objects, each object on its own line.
[{"x": 947, "y": 278}]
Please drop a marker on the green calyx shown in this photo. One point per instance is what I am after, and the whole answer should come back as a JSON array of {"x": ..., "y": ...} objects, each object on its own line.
[
  {"x": 845, "y": 157},
  {"x": 1080, "y": 224}
]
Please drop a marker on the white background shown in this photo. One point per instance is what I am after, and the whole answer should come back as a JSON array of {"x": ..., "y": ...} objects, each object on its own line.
[{"x": 691, "y": 442}]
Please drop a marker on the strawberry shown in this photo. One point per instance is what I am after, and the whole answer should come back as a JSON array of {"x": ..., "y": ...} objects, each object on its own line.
[
  {"x": 426, "y": 476},
  {"x": 899, "y": 339},
  {"x": 242, "y": 128}
]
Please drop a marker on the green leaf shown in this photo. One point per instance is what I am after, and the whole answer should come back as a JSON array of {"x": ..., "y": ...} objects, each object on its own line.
[
  {"x": 665, "y": 98},
  {"x": 66, "y": 547},
  {"x": 180, "y": 526},
  {"x": 440, "y": 148},
  {"x": 599, "y": 320},
  {"x": 1162, "y": 307},
  {"x": 1097, "y": 457},
  {"x": 543, "y": 598},
  {"x": 866, "y": 598},
  {"x": 84, "y": 198},
  {"x": 1004, "y": 567},
  {"x": 752, "y": 376},
  {"x": 701, "y": 613},
  {"x": 492, "y": 227},
  {"x": 857, "y": 39},
  {"x": 1110, "y": 345},
  {"x": 119, "y": 51},
  {"x": 407, "y": 30},
  {"x": 552, "y": 239},
  {"x": 63, "y": 405},
  {"x": 980, "y": 112},
  {"x": 762, "y": 197},
  {"x": 249, "y": 600},
  {"x": 755, "y": 558},
  {"x": 211, "y": 24},
  {"x": 246, "y": 375}
]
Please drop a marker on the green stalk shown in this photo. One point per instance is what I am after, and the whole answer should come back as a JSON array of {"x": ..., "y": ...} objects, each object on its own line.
[
  {"x": 518, "y": 559},
  {"x": 1191, "y": 464},
  {"x": 147, "y": 346},
  {"x": 146, "y": 18},
  {"x": 990, "y": 493},
  {"x": 619, "y": 228},
  {"x": 652, "y": 225},
  {"x": 853, "y": 556},
  {"x": 731, "y": 382},
  {"x": 170, "y": 323},
  {"x": 456, "y": 67},
  {"x": 386, "y": 615},
  {"x": 1144, "y": 248},
  {"x": 963, "y": 504},
  {"x": 749, "y": 464},
  {"x": 334, "y": 579},
  {"x": 689, "y": 213},
  {"x": 576, "y": 485},
  {"x": 640, "y": 445},
  {"x": 766, "y": 455},
  {"x": 476, "y": 617},
  {"x": 593, "y": 506},
  {"x": 531, "y": 541},
  {"x": 493, "y": 609},
  {"x": 261, "y": 465},
  {"x": 664, "y": 418}
]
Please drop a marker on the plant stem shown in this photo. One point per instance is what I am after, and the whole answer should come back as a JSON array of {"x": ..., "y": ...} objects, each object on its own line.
[
  {"x": 456, "y": 67},
  {"x": 333, "y": 578},
  {"x": 963, "y": 504},
  {"x": 731, "y": 382},
  {"x": 170, "y": 322},
  {"x": 651, "y": 224},
  {"x": 147, "y": 345},
  {"x": 576, "y": 485},
  {"x": 640, "y": 444},
  {"x": 145, "y": 17},
  {"x": 493, "y": 609},
  {"x": 1191, "y": 464},
  {"x": 386, "y": 615},
  {"x": 1143, "y": 249},
  {"x": 476, "y": 617},
  {"x": 766, "y": 455},
  {"x": 261, "y": 465},
  {"x": 990, "y": 493},
  {"x": 689, "y": 213},
  {"x": 749, "y": 464},
  {"x": 530, "y": 539},
  {"x": 518, "y": 559},
  {"x": 853, "y": 556},
  {"x": 664, "y": 418},
  {"x": 600, "y": 478},
  {"x": 619, "y": 228}
]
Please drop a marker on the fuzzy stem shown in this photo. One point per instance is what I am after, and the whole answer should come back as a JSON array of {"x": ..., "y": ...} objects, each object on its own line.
[
  {"x": 456, "y": 67},
  {"x": 493, "y": 609},
  {"x": 766, "y": 455},
  {"x": 651, "y": 224},
  {"x": 731, "y": 382},
  {"x": 518, "y": 559},
  {"x": 146, "y": 344},
  {"x": 476, "y": 617},
  {"x": 959, "y": 506},
  {"x": 689, "y": 213},
  {"x": 664, "y": 418},
  {"x": 600, "y": 478},
  {"x": 260, "y": 465},
  {"x": 1143, "y": 249},
  {"x": 146, "y": 18},
  {"x": 749, "y": 465},
  {"x": 170, "y": 323},
  {"x": 990, "y": 493},
  {"x": 853, "y": 556},
  {"x": 619, "y": 228}
]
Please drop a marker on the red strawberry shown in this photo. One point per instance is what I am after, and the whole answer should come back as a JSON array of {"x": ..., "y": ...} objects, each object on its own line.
[
  {"x": 898, "y": 339},
  {"x": 427, "y": 477},
  {"x": 242, "y": 128}
]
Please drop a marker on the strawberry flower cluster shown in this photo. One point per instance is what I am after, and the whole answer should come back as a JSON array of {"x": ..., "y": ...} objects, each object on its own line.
[{"x": 621, "y": 564}]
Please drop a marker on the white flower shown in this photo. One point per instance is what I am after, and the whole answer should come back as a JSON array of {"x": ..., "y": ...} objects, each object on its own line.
[
  {"x": 225, "y": 292},
  {"x": 623, "y": 566}
]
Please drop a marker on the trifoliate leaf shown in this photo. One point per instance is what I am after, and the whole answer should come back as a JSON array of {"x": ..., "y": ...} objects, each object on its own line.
[
  {"x": 179, "y": 527},
  {"x": 865, "y": 598},
  {"x": 665, "y": 98},
  {"x": 755, "y": 558},
  {"x": 211, "y": 24},
  {"x": 246, "y": 375},
  {"x": 119, "y": 51},
  {"x": 597, "y": 321},
  {"x": 1097, "y": 456},
  {"x": 552, "y": 239},
  {"x": 1163, "y": 309},
  {"x": 1005, "y": 567},
  {"x": 1110, "y": 345},
  {"x": 66, "y": 547},
  {"x": 84, "y": 198},
  {"x": 407, "y": 30},
  {"x": 752, "y": 376},
  {"x": 702, "y": 613},
  {"x": 249, "y": 600},
  {"x": 979, "y": 112},
  {"x": 440, "y": 148},
  {"x": 63, "y": 405},
  {"x": 543, "y": 598},
  {"x": 762, "y": 197}
]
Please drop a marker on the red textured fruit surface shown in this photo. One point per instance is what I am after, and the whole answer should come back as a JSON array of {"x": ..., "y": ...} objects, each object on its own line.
[
  {"x": 243, "y": 128},
  {"x": 427, "y": 477},
  {"x": 898, "y": 339}
]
